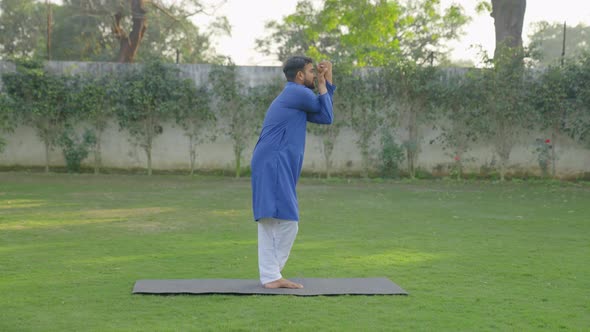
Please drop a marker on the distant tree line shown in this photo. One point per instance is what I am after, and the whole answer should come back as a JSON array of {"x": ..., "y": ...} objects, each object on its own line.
[{"x": 110, "y": 30}]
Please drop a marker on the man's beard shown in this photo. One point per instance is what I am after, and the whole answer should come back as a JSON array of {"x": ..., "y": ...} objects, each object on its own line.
[{"x": 310, "y": 85}]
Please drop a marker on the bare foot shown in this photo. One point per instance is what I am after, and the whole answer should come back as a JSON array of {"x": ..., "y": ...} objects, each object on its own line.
[{"x": 283, "y": 283}]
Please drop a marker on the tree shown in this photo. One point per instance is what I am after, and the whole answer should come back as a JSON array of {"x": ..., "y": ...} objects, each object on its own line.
[
  {"x": 85, "y": 30},
  {"x": 139, "y": 13},
  {"x": 42, "y": 101},
  {"x": 96, "y": 99},
  {"x": 96, "y": 30},
  {"x": 240, "y": 106},
  {"x": 507, "y": 80},
  {"x": 148, "y": 99},
  {"x": 508, "y": 21},
  {"x": 506, "y": 103},
  {"x": 229, "y": 103},
  {"x": 295, "y": 35},
  {"x": 7, "y": 117},
  {"x": 547, "y": 40},
  {"x": 410, "y": 89},
  {"x": 579, "y": 126},
  {"x": 428, "y": 29},
  {"x": 363, "y": 101},
  {"x": 554, "y": 95},
  {"x": 193, "y": 114},
  {"x": 459, "y": 102},
  {"x": 328, "y": 136},
  {"x": 364, "y": 32},
  {"x": 21, "y": 28},
  {"x": 81, "y": 32},
  {"x": 177, "y": 39}
]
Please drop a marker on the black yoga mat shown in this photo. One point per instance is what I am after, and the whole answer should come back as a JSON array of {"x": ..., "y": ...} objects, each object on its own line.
[{"x": 312, "y": 286}]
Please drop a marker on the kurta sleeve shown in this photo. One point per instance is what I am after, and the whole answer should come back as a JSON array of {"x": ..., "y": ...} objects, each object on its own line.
[
  {"x": 303, "y": 99},
  {"x": 326, "y": 114}
]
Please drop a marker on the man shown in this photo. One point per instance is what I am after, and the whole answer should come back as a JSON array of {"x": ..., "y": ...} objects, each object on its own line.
[{"x": 277, "y": 161}]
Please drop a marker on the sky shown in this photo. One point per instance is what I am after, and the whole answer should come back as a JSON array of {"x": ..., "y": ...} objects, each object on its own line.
[{"x": 248, "y": 17}]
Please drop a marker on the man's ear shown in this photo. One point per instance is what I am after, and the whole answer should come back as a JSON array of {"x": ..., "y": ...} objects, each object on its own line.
[{"x": 300, "y": 76}]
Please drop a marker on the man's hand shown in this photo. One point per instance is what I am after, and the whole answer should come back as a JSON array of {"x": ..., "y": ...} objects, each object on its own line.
[{"x": 326, "y": 67}]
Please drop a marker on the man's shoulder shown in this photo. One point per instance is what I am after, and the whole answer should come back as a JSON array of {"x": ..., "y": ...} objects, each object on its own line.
[{"x": 299, "y": 89}]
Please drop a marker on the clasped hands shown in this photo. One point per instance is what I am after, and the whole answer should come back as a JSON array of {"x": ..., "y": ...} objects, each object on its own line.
[{"x": 324, "y": 69}]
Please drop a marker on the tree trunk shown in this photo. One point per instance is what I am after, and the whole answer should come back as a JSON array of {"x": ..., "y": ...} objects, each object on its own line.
[
  {"x": 327, "y": 155},
  {"x": 97, "y": 156},
  {"x": 462, "y": 148},
  {"x": 504, "y": 155},
  {"x": 148, "y": 148},
  {"x": 412, "y": 147},
  {"x": 192, "y": 152},
  {"x": 148, "y": 152},
  {"x": 129, "y": 44},
  {"x": 556, "y": 127},
  {"x": 459, "y": 164},
  {"x": 49, "y": 28},
  {"x": 508, "y": 21},
  {"x": 365, "y": 160},
  {"x": 47, "y": 147},
  {"x": 238, "y": 155}
]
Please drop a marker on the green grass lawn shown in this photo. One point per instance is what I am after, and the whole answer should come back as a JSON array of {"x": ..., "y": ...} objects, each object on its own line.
[{"x": 476, "y": 256}]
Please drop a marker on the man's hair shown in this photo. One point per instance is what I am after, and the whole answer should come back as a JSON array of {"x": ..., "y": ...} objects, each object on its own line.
[{"x": 295, "y": 64}]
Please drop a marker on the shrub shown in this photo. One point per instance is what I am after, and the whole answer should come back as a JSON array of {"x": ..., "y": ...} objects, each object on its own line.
[
  {"x": 76, "y": 149},
  {"x": 391, "y": 156},
  {"x": 543, "y": 151}
]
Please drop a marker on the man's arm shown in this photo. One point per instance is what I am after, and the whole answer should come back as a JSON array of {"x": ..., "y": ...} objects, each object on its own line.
[
  {"x": 304, "y": 98},
  {"x": 326, "y": 114}
]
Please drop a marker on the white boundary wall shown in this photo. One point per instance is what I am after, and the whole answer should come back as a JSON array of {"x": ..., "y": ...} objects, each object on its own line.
[{"x": 170, "y": 150}]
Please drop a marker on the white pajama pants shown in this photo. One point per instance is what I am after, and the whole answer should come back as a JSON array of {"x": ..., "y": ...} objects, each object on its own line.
[{"x": 275, "y": 239}]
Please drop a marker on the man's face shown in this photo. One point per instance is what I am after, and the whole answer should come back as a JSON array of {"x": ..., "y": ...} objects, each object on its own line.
[{"x": 309, "y": 76}]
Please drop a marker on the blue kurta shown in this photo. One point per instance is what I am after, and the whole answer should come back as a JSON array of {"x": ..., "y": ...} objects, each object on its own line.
[{"x": 278, "y": 155}]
